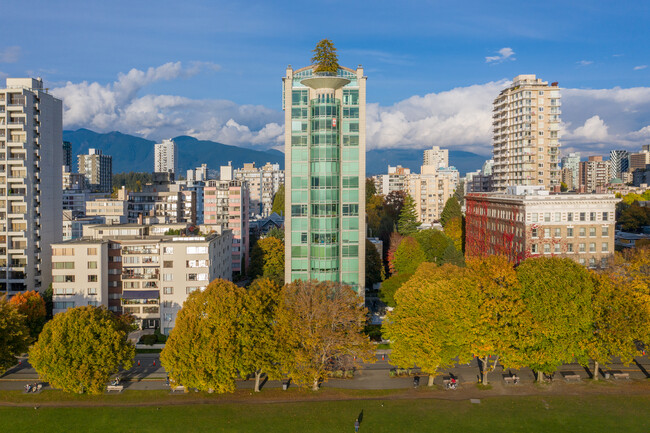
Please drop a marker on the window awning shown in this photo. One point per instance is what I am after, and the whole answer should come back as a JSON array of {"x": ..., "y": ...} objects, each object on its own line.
[{"x": 140, "y": 294}]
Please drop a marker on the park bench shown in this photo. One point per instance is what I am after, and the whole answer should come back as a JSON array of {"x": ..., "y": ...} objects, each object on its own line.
[
  {"x": 117, "y": 388},
  {"x": 178, "y": 389},
  {"x": 621, "y": 376},
  {"x": 512, "y": 380},
  {"x": 572, "y": 378}
]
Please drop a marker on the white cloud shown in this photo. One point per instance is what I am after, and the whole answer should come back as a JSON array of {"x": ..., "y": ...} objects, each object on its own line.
[
  {"x": 638, "y": 68},
  {"x": 10, "y": 54},
  {"x": 585, "y": 62},
  {"x": 118, "y": 106},
  {"x": 594, "y": 129},
  {"x": 505, "y": 53}
]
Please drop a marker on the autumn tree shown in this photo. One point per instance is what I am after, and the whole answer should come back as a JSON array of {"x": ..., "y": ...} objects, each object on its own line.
[
  {"x": 450, "y": 211},
  {"x": 375, "y": 212},
  {"x": 32, "y": 305},
  {"x": 620, "y": 321},
  {"x": 408, "y": 217},
  {"x": 497, "y": 295},
  {"x": 319, "y": 323},
  {"x": 557, "y": 294},
  {"x": 390, "y": 286},
  {"x": 371, "y": 189},
  {"x": 204, "y": 349},
  {"x": 454, "y": 229},
  {"x": 267, "y": 260},
  {"x": 14, "y": 334},
  {"x": 408, "y": 256},
  {"x": 79, "y": 350},
  {"x": 278, "y": 201},
  {"x": 432, "y": 324},
  {"x": 256, "y": 334},
  {"x": 374, "y": 266},
  {"x": 325, "y": 58},
  {"x": 434, "y": 243},
  {"x": 393, "y": 244}
]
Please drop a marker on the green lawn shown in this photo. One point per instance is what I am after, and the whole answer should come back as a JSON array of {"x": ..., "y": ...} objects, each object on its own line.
[{"x": 496, "y": 414}]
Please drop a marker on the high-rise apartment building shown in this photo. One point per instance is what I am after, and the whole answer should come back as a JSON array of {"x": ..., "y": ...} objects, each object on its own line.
[
  {"x": 594, "y": 174},
  {"x": 325, "y": 154},
  {"x": 98, "y": 169},
  {"x": 430, "y": 190},
  {"x": 395, "y": 180},
  {"x": 263, "y": 183},
  {"x": 641, "y": 159},
  {"x": 436, "y": 157},
  {"x": 166, "y": 157},
  {"x": 618, "y": 162},
  {"x": 572, "y": 163},
  {"x": 30, "y": 184},
  {"x": 67, "y": 155},
  {"x": 526, "y": 125}
]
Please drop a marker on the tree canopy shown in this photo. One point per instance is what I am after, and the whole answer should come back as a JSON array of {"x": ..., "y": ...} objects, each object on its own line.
[
  {"x": 325, "y": 58},
  {"x": 14, "y": 334},
  {"x": 320, "y": 325},
  {"x": 32, "y": 305},
  {"x": 450, "y": 211},
  {"x": 408, "y": 217},
  {"x": 80, "y": 349},
  {"x": 390, "y": 286},
  {"x": 267, "y": 260},
  {"x": 278, "y": 201},
  {"x": 374, "y": 266},
  {"x": 408, "y": 256}
]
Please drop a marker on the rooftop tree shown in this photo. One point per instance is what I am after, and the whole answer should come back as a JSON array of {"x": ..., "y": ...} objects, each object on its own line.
[{"x": 325, "y": 58}]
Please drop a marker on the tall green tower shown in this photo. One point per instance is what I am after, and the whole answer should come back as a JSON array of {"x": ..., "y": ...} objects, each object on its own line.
[{"x": 325, "y": 170}]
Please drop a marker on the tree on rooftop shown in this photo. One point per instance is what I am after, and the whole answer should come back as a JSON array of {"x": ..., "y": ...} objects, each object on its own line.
[{"x": 325, "y": 58}]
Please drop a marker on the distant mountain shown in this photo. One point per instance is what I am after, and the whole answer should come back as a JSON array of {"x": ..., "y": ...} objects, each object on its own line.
[
  {"x": 132, "y": 153},
  {"x": 378, "y": 160}
]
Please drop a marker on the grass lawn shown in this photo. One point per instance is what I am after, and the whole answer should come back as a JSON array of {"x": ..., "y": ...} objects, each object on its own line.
[{"x": 593, "y": 413}]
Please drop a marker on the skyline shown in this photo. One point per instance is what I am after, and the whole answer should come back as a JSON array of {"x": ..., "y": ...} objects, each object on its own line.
[{"x": 213, "y": 71}]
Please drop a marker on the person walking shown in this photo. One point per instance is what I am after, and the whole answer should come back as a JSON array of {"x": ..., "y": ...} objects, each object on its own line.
[{"x": 356, "y": 425}]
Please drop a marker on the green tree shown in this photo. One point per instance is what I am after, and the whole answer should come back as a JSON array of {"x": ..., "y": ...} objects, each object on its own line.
[
  {"x": 49, "y": 304},
  {"x": 32, "y": 305},
  {"x": 267, "y": 260},
  {"x": 563, "y": 187},
  {"x": 320, "y": 323},
  {"x": 633, "y": 217},
  {"x": 453, "y": 257},
  {"x": 408, "y": 256},
  {"x": 375, "y": 212},
  {"x": 374, "y": 266},
  {"x": 432, "y": 324},
  {"x": 204, "y": 349},
  {"x": 277, "y": 233},
  {"x": 450, "y": 211},
  {"x": 80, "y": 349},
  {"x": 14, "y": 334},
  {"x": 132, "y": 181},
  {"x": 559, "y": 311},
  {"x": 259, "y": 347},
  {"x": 325, "y": 58},
  {"x": 434, "y": 243},
  {"x": 371, "y": 189},
  {"x": 408, "y": 218},
  {"x": 390, "y": 286},
  {"x": 278, "y": 201}
]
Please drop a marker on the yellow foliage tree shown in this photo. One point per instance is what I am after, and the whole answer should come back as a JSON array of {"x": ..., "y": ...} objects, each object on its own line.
[{"x": 14, "y": 334}]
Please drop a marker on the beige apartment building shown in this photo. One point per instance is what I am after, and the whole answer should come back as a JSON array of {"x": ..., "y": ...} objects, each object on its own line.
[
  {"x": 113, "y": 211},
  {"x": 430, "y": 190},
  {"x": 31, "y": 159},
  {"x": 529, "y": 222},
  {"x": 263, "y": 182},
  {"x": 594, "y": 174},
  {"x": 395, "y": 180},
  {"x": 139, "y": 269},
  {"x": 526, "y": 125}
]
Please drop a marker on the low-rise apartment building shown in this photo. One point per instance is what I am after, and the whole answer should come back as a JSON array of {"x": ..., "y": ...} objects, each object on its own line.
[
  {"x": 528, "y": 222},
  {"x": 139, "y": 269}
]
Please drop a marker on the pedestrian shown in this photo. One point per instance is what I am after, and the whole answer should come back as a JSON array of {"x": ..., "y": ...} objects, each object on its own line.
[{"x": 356, "y": 425}]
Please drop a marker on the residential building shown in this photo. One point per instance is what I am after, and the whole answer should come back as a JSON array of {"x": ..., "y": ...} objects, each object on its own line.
[
  {"x": 166, "y": 157},
  {"x": 395, "y": 180},
  {"x": 253, "y": 178},
  {"x": 74, "y": 181},
  {"x": 529, "y": 222},
  {"x": 325, "y": 163},
  {"x": 430, "y": 190},
  {"x": 137, "y": 269},
  {"x": 526, "y": 125},
  {"x": 641, "y": 176},
  {"x": 436, "y": 157},
  {"x": 30, "y": 184},
  {"x": 226, "y": 205},
  {"x": 199, "y": 174},
  {"x": 482, "y": 180},
  {"x": 619, "y": 163},
  {"x": 641, "y": 159},
  {"x": 162, "y": 202},
  {"x": 67, "y": 156},
  {"x": 263, "y": 182},
  {"x": 98, "y": 169},
  {"x": 73, "y": 223},
  {"x": 571, "y": 163},
  {"x": 594, "y": 174},
  {"x": 112, "y": 211}
]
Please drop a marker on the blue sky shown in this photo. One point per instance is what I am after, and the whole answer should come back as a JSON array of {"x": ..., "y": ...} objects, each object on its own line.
[{"x": 433, "y": 66}]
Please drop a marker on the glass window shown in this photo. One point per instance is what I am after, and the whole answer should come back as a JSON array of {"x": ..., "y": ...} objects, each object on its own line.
[
  {"x": 547, "y": 233},
  {"x": 92, "y": 291},
  {"x": 605, "y": 231},
  {"x": 547, "y": 248},
  {"x": 534, "y": 232},
  {"x": 592, "y": 231},
  {"x": 583, "y": 232},
  {"x": 592, "y": 247},
  {"x": 583, "y": 216},
  {"x": 92, "y": 265},
  {"x": 581, "y": 247},
  {"x": 569, "y": 232},
  {"x": 168, "y": 290},
  {"x": 547, "y": 217},
  {"x": 605, "y": 216},
  {"x": 605, "y": 247},
  {"x": 557, "y": 248},
  {"x": 92, "y": 251},
  {"x": 533, "y": 248},
  {"x": 569, "y": 248},
  {"x": 92, "y": 278},
  {"x": 592, "y": 216},
  {"x": 569, "y": 216},
  {"x": 558, "y": 232}
]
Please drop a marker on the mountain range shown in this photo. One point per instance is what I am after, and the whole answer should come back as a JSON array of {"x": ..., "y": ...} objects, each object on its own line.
[{"x": 131, "y": 153}]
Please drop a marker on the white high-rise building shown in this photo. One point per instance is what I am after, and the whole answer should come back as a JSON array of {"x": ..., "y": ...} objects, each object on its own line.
[
  {"x": 166, "y": 157},
  {"x": 30, "y": 184},
  {"x": 526, "y": 126},
  {"x": 98, "y": 170},
  {"x": 436, "y": 157}
]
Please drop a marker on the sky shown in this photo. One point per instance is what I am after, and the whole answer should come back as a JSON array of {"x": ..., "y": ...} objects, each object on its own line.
[{"x": 213, "y": 69}]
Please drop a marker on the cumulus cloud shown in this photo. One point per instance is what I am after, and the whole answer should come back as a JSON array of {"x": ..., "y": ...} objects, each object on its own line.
[
  {"x": 119, "y": 106},
  {"x": 505, "y": 53},
  {"x": 10, "y": 54},
  {"x": 640, "y": 67},
  {"x": 594, "y": 129}
]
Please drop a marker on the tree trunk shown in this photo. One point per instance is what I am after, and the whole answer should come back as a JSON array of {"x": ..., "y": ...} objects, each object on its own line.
[
  {"x": 595, "y": 370},
  {"x": 258, "y": 374},
  {"x": 539, "y": 376},
  {"x": 484, "y": 361},
  {"x": 314, "y": 387},
  {"x": 431, "y": 377}
]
